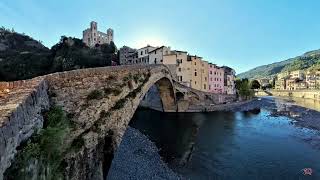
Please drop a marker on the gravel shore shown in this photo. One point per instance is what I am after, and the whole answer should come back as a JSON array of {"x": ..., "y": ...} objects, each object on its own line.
[
  {"x": 137, "y": 158},
  {"x": 303, "y": 117}
]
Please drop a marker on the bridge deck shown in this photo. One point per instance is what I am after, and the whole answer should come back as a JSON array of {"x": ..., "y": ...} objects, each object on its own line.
[{"x": 12, "y": 95}]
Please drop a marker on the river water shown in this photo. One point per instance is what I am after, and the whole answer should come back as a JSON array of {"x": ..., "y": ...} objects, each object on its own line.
[{"x": 231, "y": 145}]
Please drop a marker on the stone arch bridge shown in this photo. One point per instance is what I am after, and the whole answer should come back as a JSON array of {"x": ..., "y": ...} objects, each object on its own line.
[{"x": 99, "y": 101}]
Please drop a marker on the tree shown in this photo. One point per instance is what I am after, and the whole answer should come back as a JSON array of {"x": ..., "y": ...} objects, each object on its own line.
[
  {"x": 255, "y": 84},
  {"x": 243, "y": 88}
]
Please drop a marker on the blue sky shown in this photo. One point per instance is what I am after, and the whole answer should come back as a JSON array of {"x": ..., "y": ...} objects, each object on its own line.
[{"x": 239, "y": 33}]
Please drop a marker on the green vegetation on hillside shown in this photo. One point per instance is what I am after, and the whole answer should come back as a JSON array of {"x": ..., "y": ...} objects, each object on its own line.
[
  {"x": 22, "y": 57},
  {"x": 307, "y": 60}
]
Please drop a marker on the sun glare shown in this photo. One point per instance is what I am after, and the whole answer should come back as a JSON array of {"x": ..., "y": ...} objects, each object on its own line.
[{"x": 153, "y": 41}]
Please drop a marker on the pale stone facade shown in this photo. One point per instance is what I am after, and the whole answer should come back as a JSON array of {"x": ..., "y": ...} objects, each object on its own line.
[
  {"x": 229, "y": 78},
  {"x": 143, "y": 54},
  {"x": 92, "y": 36},
  {"x": 156, "y": 55}
]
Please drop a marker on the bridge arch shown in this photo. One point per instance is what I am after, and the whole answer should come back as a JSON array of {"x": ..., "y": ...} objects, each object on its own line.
[{"x": 102, "y": 102}]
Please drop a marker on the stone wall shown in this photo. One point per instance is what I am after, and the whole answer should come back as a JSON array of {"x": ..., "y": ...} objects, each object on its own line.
[
  {"x": 20, "y": 115},
  {"x": 309, "y": 94},
  {"x": 198, "y": 101}
]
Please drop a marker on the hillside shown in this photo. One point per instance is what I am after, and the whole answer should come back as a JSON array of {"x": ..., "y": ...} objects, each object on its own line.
[
  {"x": 305, "y": 61},
  {"x": 22, "y": 57}
]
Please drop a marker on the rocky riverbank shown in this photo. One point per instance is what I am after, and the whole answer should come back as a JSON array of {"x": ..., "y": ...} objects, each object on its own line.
[
  {"x": 303, "y": 117},
  {"x": 138, "y": 158}
]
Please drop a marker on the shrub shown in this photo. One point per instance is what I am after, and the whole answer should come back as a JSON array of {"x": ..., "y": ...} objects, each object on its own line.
[
  {"x": 95, "y": 94},
  {"x": 44, "y": 147},
  {"x": 114, "y": 91},
  {"x": 119, "y": 104},
  {"x": 77, "y": 143}
]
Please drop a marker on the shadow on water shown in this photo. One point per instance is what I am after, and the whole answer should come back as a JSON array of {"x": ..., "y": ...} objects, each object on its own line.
[{"x": 173, "y": 133}]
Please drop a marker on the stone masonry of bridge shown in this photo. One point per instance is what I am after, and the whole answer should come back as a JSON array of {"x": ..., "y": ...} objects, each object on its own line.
[{"x": 100, "y": 121}]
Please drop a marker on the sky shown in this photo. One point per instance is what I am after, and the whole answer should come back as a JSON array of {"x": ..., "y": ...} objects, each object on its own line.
[{"x": 241, "y": 34}]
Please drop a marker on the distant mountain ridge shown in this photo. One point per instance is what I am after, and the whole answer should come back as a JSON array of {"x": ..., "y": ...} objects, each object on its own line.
[{"x": 305, "y": 61}]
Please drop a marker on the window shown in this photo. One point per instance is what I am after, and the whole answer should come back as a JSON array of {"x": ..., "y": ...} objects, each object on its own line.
[
  {"x": 141, "y": 53},
  {"x": 209, "y": 87},
  {"x": 195, "y": 73},
  {"x": 205, "y": 78},
  {"x": 204, "y": 86},
  {"x": 179, "y": 69},
  {"x": 155, "y": 60},
  {"x": 210, "y": 72},
  {"x": 215, "y": 73},
  {"x": 145, "y": 52},
  {"x": 161, "y": 60},
  {"x": 195, "y": 82}
]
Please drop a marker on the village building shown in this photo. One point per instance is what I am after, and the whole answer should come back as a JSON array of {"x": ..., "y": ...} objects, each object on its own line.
[
  {"x": 229, "y": 80},
  {"x": 216, "y": 79},
  {"x": 156, "y": 55},
  {"x": 128, "y": 55},
  {"x": 143, "y": 54}
]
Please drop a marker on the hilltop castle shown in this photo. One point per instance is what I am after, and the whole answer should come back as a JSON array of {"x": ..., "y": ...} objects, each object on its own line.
[{"x": 92, "y": 36}]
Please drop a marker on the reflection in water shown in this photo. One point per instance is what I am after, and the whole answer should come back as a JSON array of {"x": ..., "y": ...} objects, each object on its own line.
[
  {"x": 173, "y": 133},
  {"x": 226, "y": 145}
]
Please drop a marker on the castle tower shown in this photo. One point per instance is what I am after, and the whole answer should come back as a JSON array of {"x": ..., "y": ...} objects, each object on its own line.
[
  {"x": 94, "y": 32},
  {"x": 110, "y": 35}
]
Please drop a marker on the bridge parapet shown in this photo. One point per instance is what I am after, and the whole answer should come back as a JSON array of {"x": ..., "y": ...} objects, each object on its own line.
[{"x": 20, "y": 115}]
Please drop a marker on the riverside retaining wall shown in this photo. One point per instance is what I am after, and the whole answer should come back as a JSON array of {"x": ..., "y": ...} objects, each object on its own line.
[{"x": 309, "y": 94}]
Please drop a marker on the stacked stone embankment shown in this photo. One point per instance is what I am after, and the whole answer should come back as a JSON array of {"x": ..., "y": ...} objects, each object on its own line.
[
  {"x": 309, "y": 94},
  {"x": 21, "y": 104}
]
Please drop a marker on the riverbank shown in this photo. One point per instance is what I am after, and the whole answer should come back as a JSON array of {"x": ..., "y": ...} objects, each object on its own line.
[
  {"x": 138, "y": 158},
  {"x": 303, "y": 116}
]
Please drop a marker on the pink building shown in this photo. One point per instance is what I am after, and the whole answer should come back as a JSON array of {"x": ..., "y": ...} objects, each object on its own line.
[{"x": 216, "y": 79}]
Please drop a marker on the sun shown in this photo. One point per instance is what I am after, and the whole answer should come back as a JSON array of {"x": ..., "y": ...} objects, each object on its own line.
[{"x": 153, "y": 41}]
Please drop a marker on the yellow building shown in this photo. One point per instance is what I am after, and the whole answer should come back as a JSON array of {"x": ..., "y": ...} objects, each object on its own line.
[
  {"x": 190, "y": 71},
  {"x": 204, "y": 76},
  {"x": 184, "y": 72},
  {"x": 199, "y": 77}
]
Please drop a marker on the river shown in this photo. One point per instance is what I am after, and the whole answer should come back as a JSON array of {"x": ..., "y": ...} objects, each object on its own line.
[{"x": 231, "y": 145}]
